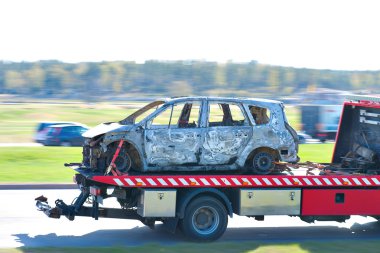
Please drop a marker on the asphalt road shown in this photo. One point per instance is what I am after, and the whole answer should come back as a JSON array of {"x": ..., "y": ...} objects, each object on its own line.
[{"x": 22, "y": 225}]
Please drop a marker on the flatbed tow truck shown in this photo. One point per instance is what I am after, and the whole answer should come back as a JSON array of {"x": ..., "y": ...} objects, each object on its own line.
[{"x": 199, "y": 204}]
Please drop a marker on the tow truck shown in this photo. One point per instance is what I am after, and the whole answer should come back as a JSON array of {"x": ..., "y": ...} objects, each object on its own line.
[{"x": 198, "y": 204}]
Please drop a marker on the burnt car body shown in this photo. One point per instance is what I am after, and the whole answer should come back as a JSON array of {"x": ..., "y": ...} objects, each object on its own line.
[{"x": 195, "y": 134}]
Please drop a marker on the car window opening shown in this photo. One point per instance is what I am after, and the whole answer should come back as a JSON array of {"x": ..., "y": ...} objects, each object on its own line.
[
  {"x": 223, "y": 114},
  {"x": 261, "y": 115}
]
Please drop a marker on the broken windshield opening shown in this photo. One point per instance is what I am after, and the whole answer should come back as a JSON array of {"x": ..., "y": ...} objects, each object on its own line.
[{"x": 142, "y": 113}]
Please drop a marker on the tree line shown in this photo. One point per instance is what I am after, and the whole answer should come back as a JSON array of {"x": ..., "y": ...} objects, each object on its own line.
[{"x": 89, "y": 79}]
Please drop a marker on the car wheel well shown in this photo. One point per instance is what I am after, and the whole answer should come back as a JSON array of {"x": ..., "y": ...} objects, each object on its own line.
[
  {"x": 132, "y": 152},
  {"x": 135, "y": 156},
  {"x": 263, "y": 154},
  {"x": 272, "y": 151}
]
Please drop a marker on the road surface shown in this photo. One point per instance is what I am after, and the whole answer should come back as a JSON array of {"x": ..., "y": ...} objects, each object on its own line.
[{"x": 22, "y": 225}]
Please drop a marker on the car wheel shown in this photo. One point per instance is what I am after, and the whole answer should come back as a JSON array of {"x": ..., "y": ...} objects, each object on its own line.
[
  {"x": 123, "y": 161},
  {"x": 262, "y": 163},
  {"x": 66, "y": 144},
  {"x": 205, "y": 219}
]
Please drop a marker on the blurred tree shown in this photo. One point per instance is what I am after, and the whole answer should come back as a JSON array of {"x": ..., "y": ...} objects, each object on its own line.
[
  {"x": 52, "y": 83},
  {"x": 36, "y": 78},
  {"x": 179, "y": 88},
  {"x": 15, "y": 82},
  {"x": 2, "y": 78},
  {"x": 289, "y": 80},
  {"x": 274, "y": 80},
  {"x": 89, "y": 80},
  {"x": 355, "y": 80},
  {"x": 220, "y": 77}
]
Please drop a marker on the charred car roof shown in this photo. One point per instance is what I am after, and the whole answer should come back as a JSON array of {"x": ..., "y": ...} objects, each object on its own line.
[{"x": 237, "y": 100}]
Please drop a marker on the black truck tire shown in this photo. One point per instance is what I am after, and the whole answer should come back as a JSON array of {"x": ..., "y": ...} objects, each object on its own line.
[{"x": 205, "y": 219}]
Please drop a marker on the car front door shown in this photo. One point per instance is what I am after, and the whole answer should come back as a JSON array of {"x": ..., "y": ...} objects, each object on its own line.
[
  {"x": 173, "y": 137},
  {"x": 227, "y": 134}
]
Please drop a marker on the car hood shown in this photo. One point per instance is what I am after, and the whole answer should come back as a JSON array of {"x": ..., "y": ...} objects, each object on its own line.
[{"x": 106, "y": 128}]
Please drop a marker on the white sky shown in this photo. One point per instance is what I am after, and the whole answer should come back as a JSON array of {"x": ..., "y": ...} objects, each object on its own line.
[{"x": 331, "y": 34}]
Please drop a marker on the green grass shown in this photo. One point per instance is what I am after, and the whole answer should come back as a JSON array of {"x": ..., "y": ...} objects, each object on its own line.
[
  {"x": 347, "y": 246},
  {"x": 37, "y": 164},
  {"x": 320, "y": 153},
  {"x": 45, "y": 164}
]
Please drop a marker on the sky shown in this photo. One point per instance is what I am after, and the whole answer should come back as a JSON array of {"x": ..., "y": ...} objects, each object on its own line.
[{"x": 322, "y": 34}]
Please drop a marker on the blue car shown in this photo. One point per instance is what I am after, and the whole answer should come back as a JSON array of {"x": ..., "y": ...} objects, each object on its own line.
[{"x": 65, "y": 135}]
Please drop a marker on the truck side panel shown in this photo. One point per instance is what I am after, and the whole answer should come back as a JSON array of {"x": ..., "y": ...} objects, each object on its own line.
[{"x": 340, "y": 202}]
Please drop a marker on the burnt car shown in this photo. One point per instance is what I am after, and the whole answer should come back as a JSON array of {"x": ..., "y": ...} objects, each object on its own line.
[{"x": 195, "y": 134}]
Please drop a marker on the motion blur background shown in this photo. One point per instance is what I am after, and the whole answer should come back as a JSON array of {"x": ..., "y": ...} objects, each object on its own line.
[{"x": 95, "y": 61}]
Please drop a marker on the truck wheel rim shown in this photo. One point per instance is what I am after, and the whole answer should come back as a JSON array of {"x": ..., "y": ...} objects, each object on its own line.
[{"x": 205, "y": 220}]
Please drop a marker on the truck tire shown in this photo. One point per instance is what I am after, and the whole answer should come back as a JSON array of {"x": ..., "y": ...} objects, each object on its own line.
[
  {"x": 205, "y": 219},
  {"x": 262, "y": 163}
]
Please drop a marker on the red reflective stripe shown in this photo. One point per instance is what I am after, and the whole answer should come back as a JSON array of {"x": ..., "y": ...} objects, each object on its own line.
[{"x": 238, "y": 181}]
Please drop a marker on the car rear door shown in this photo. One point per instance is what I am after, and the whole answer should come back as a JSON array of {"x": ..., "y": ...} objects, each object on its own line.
[{"x": 227, "y": 133}]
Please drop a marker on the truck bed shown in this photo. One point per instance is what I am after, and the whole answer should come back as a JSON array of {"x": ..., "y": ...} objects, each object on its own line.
[{"x": 301, "y": 177}]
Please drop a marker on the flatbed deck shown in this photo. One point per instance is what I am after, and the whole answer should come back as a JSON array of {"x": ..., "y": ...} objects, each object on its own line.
[{"x": 302, "y": 179}]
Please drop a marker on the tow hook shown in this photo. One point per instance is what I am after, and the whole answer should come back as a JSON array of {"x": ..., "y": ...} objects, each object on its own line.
[
  {"x": 43, "y": 206},
  {"x": 60, "y": 207}
]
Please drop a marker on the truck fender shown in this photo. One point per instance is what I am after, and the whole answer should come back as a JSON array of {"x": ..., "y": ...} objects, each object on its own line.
[{"x": 188, "y": 195}]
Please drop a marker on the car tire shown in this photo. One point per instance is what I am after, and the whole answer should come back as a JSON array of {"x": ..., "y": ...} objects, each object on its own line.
[
  {"x": 205, "y": 219},
  {"x": 262, "y": 163},
  {"x": 123, "y": 161}
]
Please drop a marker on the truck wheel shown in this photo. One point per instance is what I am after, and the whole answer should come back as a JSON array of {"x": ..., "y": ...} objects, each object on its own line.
[
  {"x": 262, "y": 163},
  {"x": 205, "y": 219}
]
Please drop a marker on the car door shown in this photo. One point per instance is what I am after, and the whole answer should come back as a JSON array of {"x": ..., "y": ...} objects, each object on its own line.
[
  {"x": 173, "y": 137},
  {"x": 227, "y": 133},
  {"x": 70, "y": 135},
  {"x": 77, "y": 136}
]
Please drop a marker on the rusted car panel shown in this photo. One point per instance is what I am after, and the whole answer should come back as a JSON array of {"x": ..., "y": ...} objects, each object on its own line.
[
  {"x": 165, "y": 148},
  {"x": 223, "y": 145},
  {"x": 196, "y": 134}
]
